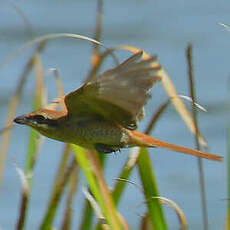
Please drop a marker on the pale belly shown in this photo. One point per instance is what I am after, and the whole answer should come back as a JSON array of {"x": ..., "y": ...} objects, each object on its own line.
[{"x": 90, "y": 133}]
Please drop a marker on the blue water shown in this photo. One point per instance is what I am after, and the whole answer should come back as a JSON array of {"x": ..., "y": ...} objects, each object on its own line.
[{"x": 159, "y": 27}]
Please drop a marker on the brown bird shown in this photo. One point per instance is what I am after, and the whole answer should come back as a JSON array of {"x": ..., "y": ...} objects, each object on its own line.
[{"x": 103, "y": 113}]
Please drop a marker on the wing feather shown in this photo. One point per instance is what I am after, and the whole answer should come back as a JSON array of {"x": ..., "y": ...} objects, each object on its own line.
[{"x": 118, "y": 94}]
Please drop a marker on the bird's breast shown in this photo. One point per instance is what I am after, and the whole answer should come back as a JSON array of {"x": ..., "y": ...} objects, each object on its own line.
[{"x": 87, "y": 133}]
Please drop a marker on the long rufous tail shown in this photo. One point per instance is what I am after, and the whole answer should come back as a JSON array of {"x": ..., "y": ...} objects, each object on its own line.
[{"x": 143, "y": 140}]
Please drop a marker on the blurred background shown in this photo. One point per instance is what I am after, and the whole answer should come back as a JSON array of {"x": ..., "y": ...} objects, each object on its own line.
[{"x": 163, "y": 28}]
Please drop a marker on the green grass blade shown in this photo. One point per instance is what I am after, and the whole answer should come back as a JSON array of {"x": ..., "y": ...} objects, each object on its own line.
[
  {"x": 93, "y": 173},
  {"x": 33, "y": 145},
  {"x": 87, "y": 218},
  {"x": 32, "y": 150},
  {"x": 88, "y": 213},
  {"x": 120, "y": 185},
  {"x": 148, "y": 180}
]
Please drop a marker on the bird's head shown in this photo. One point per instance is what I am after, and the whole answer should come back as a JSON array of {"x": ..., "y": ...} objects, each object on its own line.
[{"x": 43, "y": 120}]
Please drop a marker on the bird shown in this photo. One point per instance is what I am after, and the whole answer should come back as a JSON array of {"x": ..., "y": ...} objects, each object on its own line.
[{"x": 103, "y": 114}]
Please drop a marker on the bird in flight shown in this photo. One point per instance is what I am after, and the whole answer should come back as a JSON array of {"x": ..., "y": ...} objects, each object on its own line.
[{"x": 103, "y": 113}]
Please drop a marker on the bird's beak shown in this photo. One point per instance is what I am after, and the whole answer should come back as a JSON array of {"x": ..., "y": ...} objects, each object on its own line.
[{"x": 21, "y": 120}]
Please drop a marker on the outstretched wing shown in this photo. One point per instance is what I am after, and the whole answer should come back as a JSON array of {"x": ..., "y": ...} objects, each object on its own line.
[{"x": 119, "y": 94}]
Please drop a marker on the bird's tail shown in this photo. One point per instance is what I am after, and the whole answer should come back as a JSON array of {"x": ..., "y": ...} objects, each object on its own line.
[{"x": 143, "y": 140}]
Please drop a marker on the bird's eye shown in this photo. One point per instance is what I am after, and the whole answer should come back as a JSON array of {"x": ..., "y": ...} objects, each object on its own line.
[{"x": 39, "y": 118}]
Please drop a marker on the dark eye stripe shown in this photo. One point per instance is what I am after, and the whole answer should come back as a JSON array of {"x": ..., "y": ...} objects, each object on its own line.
[{"x": 39, "y": 118}]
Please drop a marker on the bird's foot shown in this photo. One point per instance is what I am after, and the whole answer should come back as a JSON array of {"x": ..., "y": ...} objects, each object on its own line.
[{"x": 102, "y": 148}]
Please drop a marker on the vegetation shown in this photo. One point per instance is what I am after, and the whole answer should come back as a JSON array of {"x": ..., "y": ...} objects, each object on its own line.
[{"x": 100, "y": 200}]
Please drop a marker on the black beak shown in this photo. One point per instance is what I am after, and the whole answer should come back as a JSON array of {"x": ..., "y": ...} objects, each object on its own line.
[{"x": 21, "y": 120}]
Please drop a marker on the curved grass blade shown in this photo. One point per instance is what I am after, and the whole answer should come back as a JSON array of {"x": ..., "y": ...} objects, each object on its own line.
[
  {"x": 46, "y": 38},
  {"x": 120, "y": 185},
  {"x": 178, "y": 210},
  {"x": 27, "y": 24},
  {"x": 195, "y": 104},
  {"x": 96, "y": 208}
]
